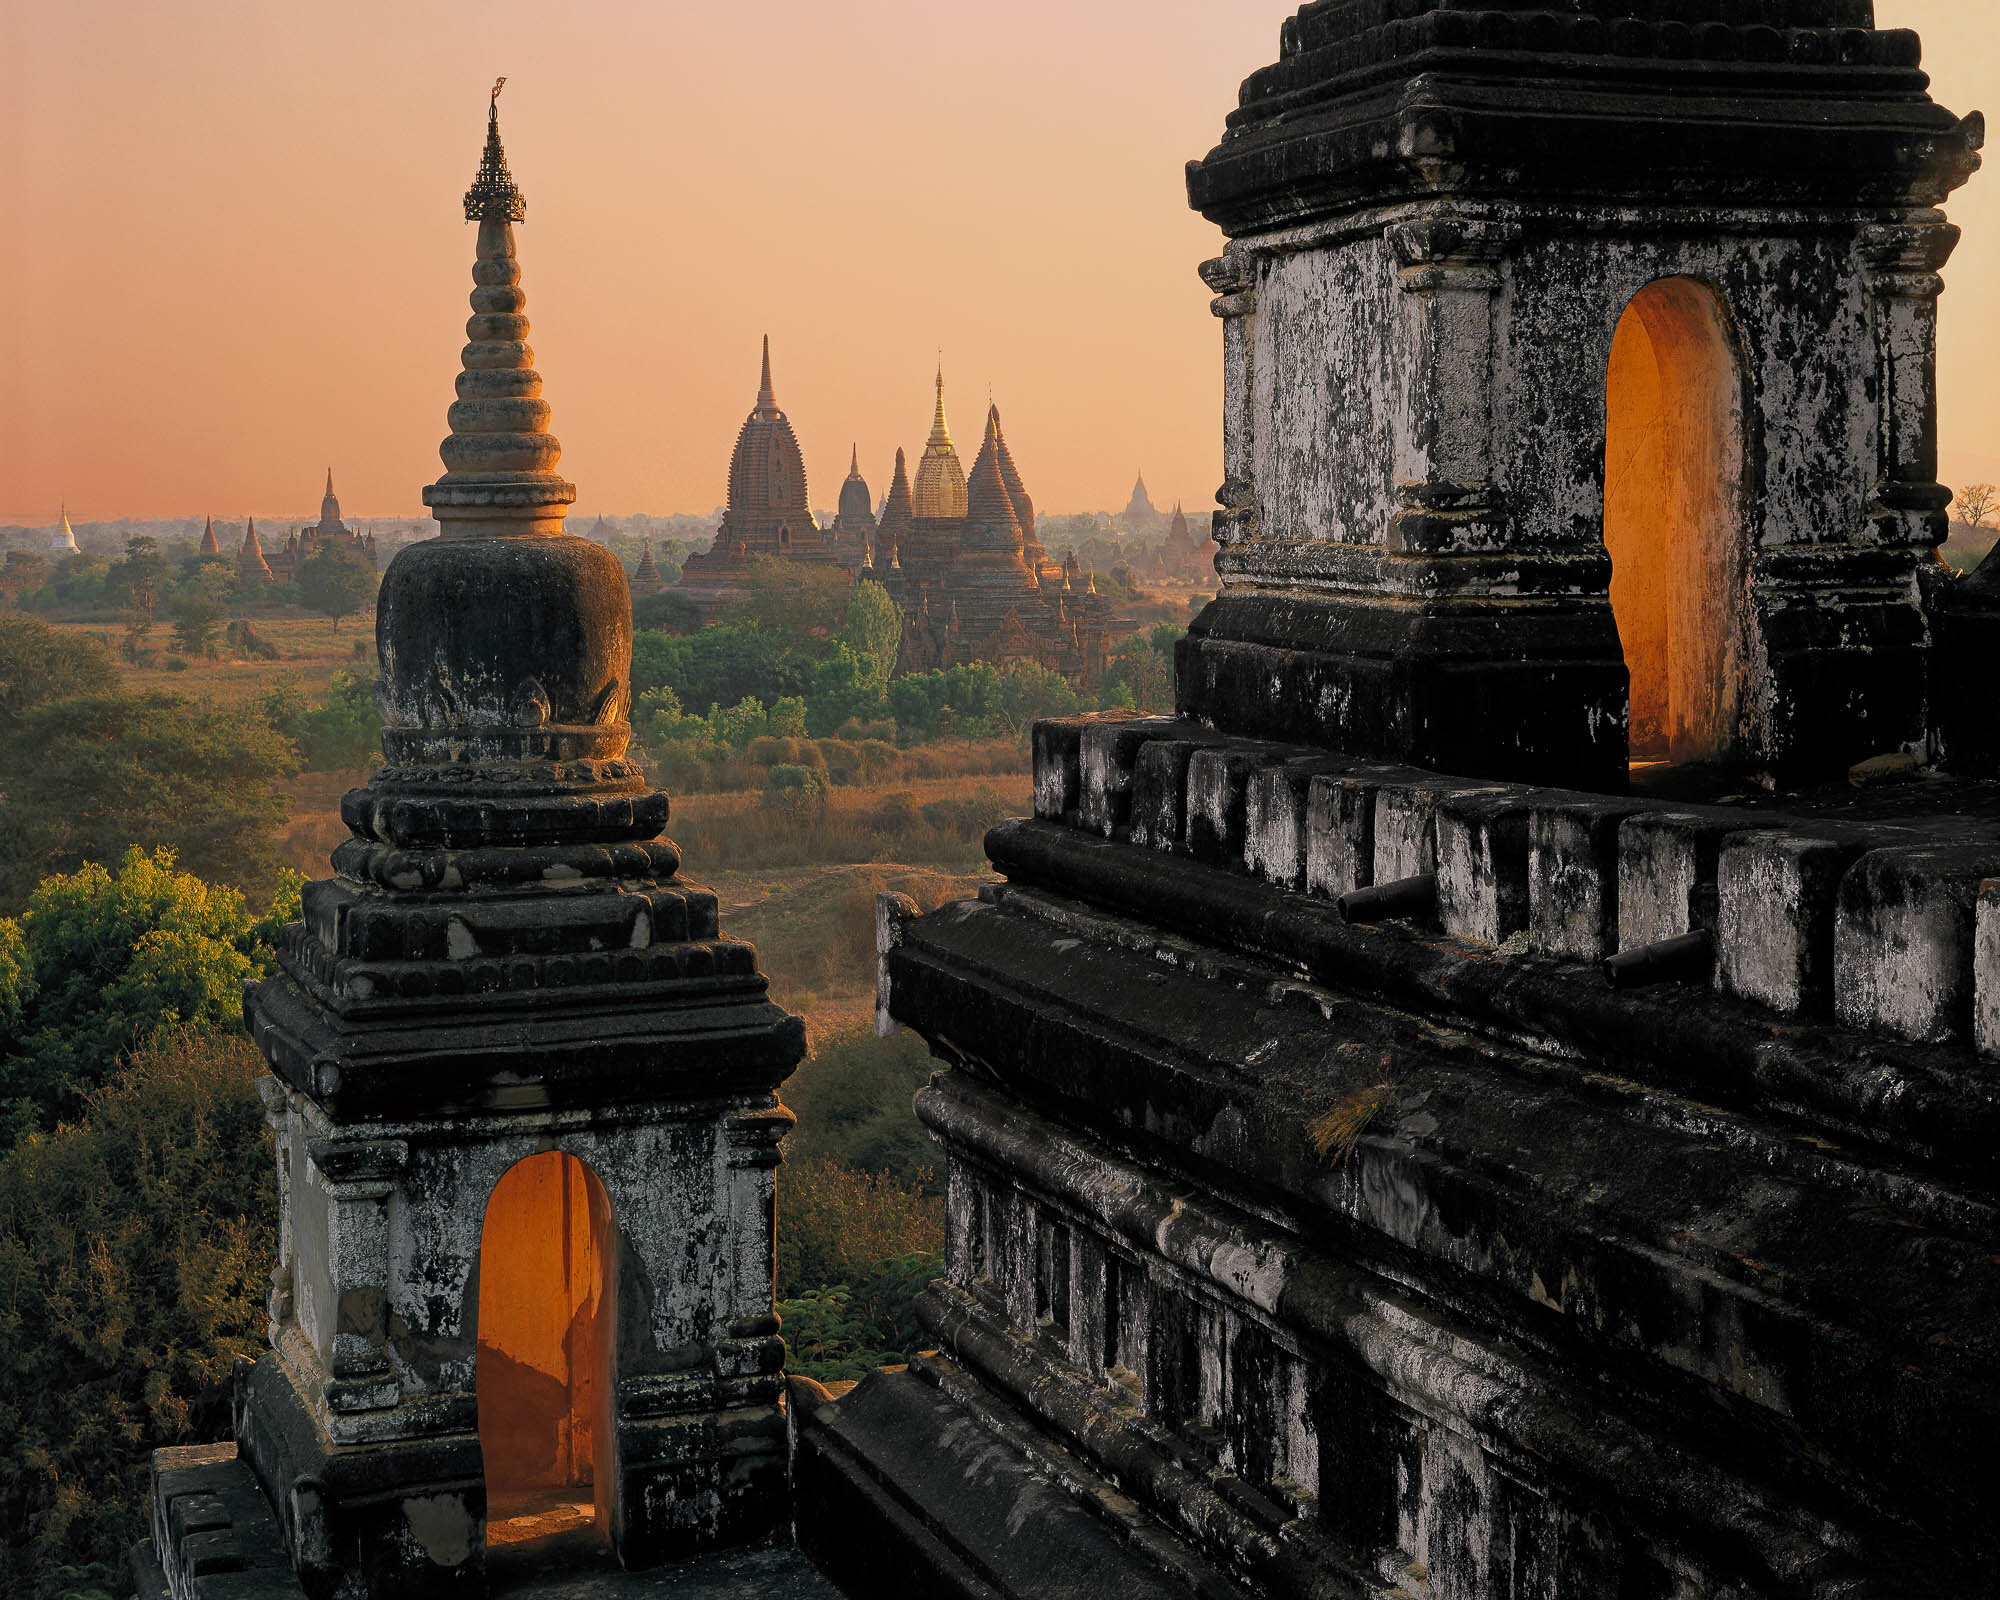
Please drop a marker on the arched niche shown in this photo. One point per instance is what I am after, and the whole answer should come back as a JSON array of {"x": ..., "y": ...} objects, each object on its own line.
[
  {"x": 1674, "y": 521},
  {"x": 544, "y": 1379}
]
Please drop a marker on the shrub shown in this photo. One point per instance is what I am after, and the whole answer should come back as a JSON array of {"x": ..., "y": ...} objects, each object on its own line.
[
  {"x": 135, "y": 1245},
  {"x": 795, "y": 788},
  {"x": 835, "y": 1223},
  {"x": 846, "y": 1330}
]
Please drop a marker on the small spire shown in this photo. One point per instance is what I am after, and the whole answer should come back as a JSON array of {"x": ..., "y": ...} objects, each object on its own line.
[
  {"x": 493, "y": 196},
  {"x": 854, "y": 461},
  {"x": 940, "y": 429},
  {"x": 329, "y": 483},
  {"x": 500, "y": 457},
  {"x": 767, "y": 400}
]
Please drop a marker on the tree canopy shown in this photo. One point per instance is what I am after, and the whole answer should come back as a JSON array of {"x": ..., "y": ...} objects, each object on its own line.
[
  {"x": 334, "y": 582},
  {"x": 89, "y": 776},
  {"x": 38, "y": 665},
  {"x": 100, "y": 959}
]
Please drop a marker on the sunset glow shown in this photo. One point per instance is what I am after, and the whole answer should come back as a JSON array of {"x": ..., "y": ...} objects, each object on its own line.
[{"x": 236, "y": 254}]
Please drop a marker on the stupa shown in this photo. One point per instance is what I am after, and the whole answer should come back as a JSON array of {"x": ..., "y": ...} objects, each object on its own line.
[{"x": 522, "y": 1091}]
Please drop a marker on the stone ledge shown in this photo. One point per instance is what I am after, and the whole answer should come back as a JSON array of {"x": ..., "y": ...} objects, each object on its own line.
[
  {"x": 1799, "y": 906},
  {"x": 214, "y": 1536},
  {"x": 903, "y": 1489}
]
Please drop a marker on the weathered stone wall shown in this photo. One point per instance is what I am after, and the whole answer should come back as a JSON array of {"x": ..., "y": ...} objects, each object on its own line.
[
  {"x": 1416, "y": 1253},
  {"x": 1415, "y": 418}
]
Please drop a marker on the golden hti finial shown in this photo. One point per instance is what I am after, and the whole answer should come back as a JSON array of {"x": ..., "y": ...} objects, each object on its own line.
[{"x": 493, "y": 197}]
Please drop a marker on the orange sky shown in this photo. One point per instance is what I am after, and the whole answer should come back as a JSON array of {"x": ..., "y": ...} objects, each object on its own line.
[{"x": 234, "y": 252}]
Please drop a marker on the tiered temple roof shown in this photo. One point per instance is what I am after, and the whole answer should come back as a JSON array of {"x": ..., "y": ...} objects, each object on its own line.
[
  {"x": 250, "y": 562},
  {"x": 646, "y": 579}
]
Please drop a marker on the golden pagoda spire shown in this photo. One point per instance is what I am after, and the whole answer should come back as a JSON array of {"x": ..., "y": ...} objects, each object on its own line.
[
  {"x": 939, "y": 490},
  {"x": 940, "y": 429}
]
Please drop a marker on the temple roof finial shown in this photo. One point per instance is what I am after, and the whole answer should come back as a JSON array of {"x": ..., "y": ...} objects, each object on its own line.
[
  {"x": 767, "y": 399},
  {"x": 500, "y": 457},
  {"x": 493, "y": 196}
]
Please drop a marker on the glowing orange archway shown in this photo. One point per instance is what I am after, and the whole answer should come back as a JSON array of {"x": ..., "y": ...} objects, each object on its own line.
[
  {"x": 1673, "y": 520},
  {"x": 546, "y": 1298}
]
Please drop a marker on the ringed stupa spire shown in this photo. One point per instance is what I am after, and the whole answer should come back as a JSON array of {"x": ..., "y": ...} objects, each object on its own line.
[
  {"x": 500, "y": 458},
  {"x": 63, "y": 541},
  {"x": 210, "y": 546}
]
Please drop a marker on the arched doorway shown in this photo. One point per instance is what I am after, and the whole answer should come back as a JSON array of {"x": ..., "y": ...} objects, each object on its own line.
[
  {"x": 1673, "y": 520},
  {"x": 547, "y": 1294}
]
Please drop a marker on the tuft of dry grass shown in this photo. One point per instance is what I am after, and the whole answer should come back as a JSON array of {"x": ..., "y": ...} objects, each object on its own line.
[{"x": 1337, "y": 1130}]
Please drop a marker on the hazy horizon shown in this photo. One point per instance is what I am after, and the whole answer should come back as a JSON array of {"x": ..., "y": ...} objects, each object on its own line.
[{"x": 238, "y": 250}]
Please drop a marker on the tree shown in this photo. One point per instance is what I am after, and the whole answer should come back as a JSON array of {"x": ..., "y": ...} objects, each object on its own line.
[
  {"x": 1976, "y": 502},
  {"x": 669, "y": 611},
  {"x": 333, "y": 582},
  {"x": 843, "y": 685},
  {"x": 38, "y": 665},
  {"x": 343, "y": 733},
  {"x": 136, "y": 1245},
  {"x": 88, "y": 777},
  {"x": 25, "y": 573},
  {"x": 200, "y": 609},
  {"x": 133, "y": 585},
  {"x": 100, "y": 959},
  {"x": 873, "y": 630},
  {"x": 789, "y": 599}
]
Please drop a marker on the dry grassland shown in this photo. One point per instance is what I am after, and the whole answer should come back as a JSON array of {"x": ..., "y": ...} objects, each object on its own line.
[{"x": 309, "y": 650}]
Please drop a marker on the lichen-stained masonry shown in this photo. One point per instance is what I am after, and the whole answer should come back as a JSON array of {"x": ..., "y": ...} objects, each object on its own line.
[{"x": 1383, "y": 1147}]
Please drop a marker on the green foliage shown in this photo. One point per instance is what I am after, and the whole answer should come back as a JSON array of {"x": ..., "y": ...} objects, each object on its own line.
[
  {"x": 101, "y": 960},
  {"x": 134, "y": 1247},
  {"x": 786, "y": 600},
  {"x": 873, "y": 631},
  {"x": 24, "y": 572},
  {"x": 1140, "y": 672},
  {"x": 343, "y": 733},
  {"x": 39, "y": 665},
  {"x": 199, "y": 610},
  {"x": 846, "y": 1330},
  {"x": 835, "y": 1223},
  {"x": 722, "y": 664},
  {"x": 795, "y": 788},
  {"x": 977, "y": 701},
  {"x": 88, "y": 777},
  {"x": 334, "y": 581},
  {"x": 843, "y": 687},
  {"x": 75, "y": 585},
  {"x": 669, "y": 611}
]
